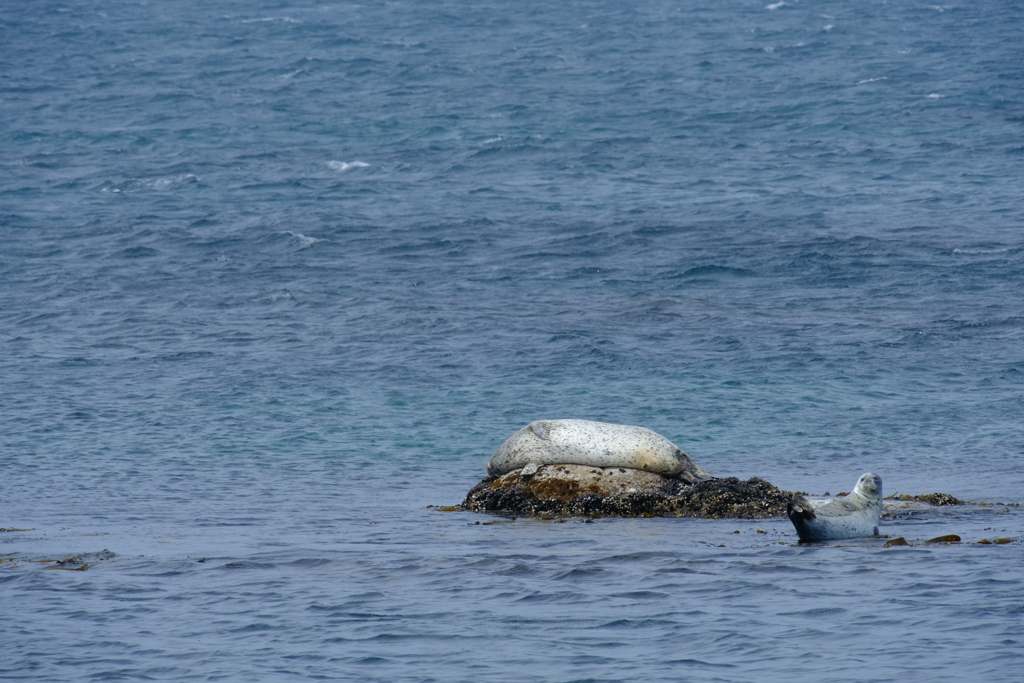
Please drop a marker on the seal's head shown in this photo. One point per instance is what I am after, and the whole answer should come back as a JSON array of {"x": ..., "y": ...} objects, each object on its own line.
[{"x": 869, "y": 485}]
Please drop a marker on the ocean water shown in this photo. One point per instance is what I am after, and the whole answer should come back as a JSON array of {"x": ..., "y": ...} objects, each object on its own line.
[{"x": 277, "y": 276}]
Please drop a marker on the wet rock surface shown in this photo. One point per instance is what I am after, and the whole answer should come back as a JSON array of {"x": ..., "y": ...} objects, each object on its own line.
[
  {"x": 585, "y": 491},
  {"x": 936, "y": 499}
]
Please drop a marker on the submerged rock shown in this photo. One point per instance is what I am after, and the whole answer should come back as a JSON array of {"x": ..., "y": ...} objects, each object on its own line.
[
  {"x": 895, "y": 542},
  {"x": 586, "y": 491}
]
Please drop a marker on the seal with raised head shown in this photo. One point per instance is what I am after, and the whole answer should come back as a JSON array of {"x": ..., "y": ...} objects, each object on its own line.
[
  {"x": 598, "y": 444},
  {"x": 856, "y": 514}
]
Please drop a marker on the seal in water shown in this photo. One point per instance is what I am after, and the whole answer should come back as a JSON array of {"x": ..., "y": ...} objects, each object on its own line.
[
  {"x": 598, "y": 444},
  {"x": 854, "y": 515}
]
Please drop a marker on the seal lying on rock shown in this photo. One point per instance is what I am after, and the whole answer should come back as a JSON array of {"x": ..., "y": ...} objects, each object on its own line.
[
  {"x": 854, "y": 515},
  {"x": 596, "y": 444}
]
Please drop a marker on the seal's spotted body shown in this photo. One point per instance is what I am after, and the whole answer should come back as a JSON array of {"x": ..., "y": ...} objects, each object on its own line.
[
  {"x": 598, "y": 444},
  {"x": 857, "y": 514}
]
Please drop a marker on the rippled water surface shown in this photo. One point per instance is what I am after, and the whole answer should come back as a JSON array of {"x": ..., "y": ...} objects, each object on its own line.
[{"x": 276, "y": 277}]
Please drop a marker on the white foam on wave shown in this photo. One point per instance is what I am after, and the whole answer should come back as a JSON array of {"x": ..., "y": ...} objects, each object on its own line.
[
  {"x": 493, "y": 140},
  {"x": 144, "y": 184},
  {"x": 272, "y": 298},
  {"x": 980, "y": 252},
  {"x": 872, "y": 80},
  {"x": 164, "y": 183},
  {"x": 776, "y": 5},
  {"x": 342, "y": 166},
  {"x": 304, "y": 241},
  {"x": 934, "y": 96},
  {"x": 284, "y": 20}
]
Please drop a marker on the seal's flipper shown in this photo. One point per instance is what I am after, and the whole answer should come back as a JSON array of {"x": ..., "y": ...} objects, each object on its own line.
[
  {"x": 800, "y": 508},
  {"x": 542, "y": 428},
  {"x": 692, "y": 472}
]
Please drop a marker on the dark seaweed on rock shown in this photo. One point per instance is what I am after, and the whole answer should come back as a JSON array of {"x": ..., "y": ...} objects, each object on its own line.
[
  {"x": 718, "y": 498},
  {"x": 939, "y": 499},
  {"x": 930, "y": 498}
]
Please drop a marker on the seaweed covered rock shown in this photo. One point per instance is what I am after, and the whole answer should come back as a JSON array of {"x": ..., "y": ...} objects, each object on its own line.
[
  {"x": 938, "y": 499},
  {"x": 582, "y": 490}
]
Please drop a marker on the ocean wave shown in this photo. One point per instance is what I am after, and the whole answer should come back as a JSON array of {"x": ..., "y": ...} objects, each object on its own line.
[
  {"x": 158, "y": 183},
  {"x": 712, "y": 271},
  {"x": 342, "y": 166},
  {"x": 304, "y": 241},
  {"x": 982, "y": 252},
  {"x": 265, "y": 20}
]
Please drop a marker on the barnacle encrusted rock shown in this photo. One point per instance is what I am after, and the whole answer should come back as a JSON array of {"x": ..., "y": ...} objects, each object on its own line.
[
  {"x": 938, "y": 499},
  {"x": 583, "y": 490}
]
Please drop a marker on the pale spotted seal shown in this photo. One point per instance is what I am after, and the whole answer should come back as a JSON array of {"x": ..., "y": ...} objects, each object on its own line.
[
  {"x": 854, "y": 515},
  {"x": 598, "y": 444}
]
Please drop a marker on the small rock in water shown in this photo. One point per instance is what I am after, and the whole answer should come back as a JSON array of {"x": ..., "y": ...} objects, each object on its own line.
[
  {"x": 948, "y": 538},
  {"x": 939, "y": 499}
]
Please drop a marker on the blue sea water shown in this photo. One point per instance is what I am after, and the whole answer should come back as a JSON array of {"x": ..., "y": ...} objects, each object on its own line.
[{"x": 277, "y": 276}]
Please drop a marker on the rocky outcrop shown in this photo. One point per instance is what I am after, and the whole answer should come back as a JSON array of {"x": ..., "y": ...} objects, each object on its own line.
[{"x": 586, "y": 491}]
